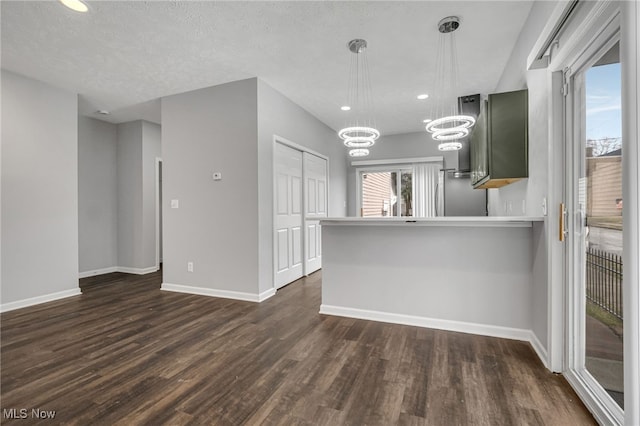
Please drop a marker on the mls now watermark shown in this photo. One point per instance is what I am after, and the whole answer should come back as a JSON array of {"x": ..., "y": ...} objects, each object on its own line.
[{"x": 26, "y": 413}]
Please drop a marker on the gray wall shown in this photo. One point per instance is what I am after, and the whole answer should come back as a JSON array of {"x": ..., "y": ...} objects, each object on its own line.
[
  {"x": 279, "y": 116},
  {"x": 138, "y": 147},
  {"x": 39, "y": 189},
  {"x": 525, "y": 197},
  {"x": 225, "y": 227},
  {"x": 151, "y": 149},
  {"x": 97, "y": 195},
  {"x": 421, "y": 278},
  {"x": 216, "y": 226},
  {"x": 129, "y": 160},
  {"x": 407, "y": 145},
  {"x": 514, "y": 75},
  {"x": 117, "y": 194}
]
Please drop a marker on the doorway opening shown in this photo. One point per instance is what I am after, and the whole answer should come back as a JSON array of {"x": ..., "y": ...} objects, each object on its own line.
[{"x": 158, "y": 213}]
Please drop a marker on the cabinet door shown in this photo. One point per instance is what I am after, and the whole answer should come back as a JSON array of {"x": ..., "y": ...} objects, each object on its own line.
[{"x": 508, "y": 135}]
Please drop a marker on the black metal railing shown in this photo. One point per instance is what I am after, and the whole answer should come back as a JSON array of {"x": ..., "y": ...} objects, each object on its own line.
[{"x": 604, "y": 280}]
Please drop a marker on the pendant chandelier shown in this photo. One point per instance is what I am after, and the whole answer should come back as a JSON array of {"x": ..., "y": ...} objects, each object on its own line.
[
  {"x": 360, "y": 133},
  {"x": 449, "y": 125}
]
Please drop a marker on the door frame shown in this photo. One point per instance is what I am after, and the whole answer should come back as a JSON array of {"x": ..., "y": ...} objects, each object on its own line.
[
  {"x": 158, "y": 207},
  {"x": 279, "y": 139},
  {"x": 585, "y": 384},
  {"x": 557, "y": 46},
  {"x": 582, "y": 49}
]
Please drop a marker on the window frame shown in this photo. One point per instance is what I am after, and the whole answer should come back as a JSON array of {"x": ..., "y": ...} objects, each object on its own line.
[{"x": 391, "y": 168}]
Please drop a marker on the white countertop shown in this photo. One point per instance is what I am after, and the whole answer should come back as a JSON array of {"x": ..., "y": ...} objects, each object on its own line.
[{"x": 458, "y": 221}]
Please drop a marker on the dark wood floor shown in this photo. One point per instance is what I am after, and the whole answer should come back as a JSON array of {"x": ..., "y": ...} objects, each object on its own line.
[{"x": 126, "y": 352}]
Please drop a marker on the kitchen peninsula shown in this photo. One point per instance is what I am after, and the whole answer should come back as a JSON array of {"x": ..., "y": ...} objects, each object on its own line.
[{"x": 471, "y": 274}]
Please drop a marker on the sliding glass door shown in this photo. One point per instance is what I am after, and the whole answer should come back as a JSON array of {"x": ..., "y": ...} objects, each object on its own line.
[
  {"x": 386, "y": 193},
  {"x": 594, "y": 227}
]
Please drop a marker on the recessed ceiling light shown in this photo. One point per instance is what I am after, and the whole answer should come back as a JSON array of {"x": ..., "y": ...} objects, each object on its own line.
[
  {"x": 422, "y": 96},
  {"x": 426, "y": 120},
  {"x": 102, "y": 112},
  {"x": 76, "y": 5},
  {"x": 345, "y": 108}
]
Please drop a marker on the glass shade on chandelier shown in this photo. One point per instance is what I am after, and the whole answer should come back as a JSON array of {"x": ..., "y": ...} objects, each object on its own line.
[
  {"x": 450, "y": 146},
  {"x": 359, "y": 136},
  {"x": 450, "y": 128},
  {"x": 359, "y": 152},
  {"x": 360, "y": 133},
  {"x": 450, "y": 125}
]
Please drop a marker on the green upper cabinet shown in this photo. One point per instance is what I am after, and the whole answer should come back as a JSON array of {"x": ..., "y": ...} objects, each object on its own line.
[{"x": 499, "y": 141}]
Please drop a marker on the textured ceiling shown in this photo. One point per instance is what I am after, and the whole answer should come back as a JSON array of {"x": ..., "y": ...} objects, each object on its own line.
[{"x": 123, "y": 56}]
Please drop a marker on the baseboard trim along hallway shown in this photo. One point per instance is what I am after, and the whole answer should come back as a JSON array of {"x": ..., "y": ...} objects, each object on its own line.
[
  {"x": 226, "y": 294},
  {"x": 123, "y": 269},
  {"x": 6, "y": 307}
]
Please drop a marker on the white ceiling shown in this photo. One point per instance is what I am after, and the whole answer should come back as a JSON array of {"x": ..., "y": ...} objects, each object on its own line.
[{"x": 123, "y": 56}]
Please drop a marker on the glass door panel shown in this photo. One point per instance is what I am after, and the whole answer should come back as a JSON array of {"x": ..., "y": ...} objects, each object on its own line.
[
  {"x": 379, "y": 194},
  {"x": 386, "y": 193},
  {"x": 406, "y": 193},
  {"x": 597, "y": 208}
]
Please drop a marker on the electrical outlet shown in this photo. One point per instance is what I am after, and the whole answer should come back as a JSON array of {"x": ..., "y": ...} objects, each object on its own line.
[
  {"x": 189, "y": 266},
  {"x": 544, "y": 206},
  {"x": 509, "y": 207}
]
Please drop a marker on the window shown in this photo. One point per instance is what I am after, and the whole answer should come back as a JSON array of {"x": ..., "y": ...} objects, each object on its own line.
[
  {"x": 386, "y": 193},
  {"x": 399, "y": 190}
]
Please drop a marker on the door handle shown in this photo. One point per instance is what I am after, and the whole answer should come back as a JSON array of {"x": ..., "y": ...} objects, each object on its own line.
[{"x": 563, "y": 223}]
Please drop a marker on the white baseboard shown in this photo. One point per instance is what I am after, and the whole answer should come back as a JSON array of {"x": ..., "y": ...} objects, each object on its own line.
[
  {"x": 124, "y": 269},
  {"x": 266, "y": 294},
  {"x": 226, "y": 294},
  {"x": 449, "y": 325},
  {"x": 95, "y": 272},
  {"x": 539, "y": 349},
  {"x": 6, "y": 307},
  {"x": 137, "y": 271}
]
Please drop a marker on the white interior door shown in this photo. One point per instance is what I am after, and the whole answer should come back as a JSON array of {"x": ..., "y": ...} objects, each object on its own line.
[
  {"x": 288, "y": 215},
  {"x": 315, "y": 195}
]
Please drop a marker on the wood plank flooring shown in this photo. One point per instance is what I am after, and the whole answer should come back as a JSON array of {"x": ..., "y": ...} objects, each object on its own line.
[{"x": 125, "y": 352}]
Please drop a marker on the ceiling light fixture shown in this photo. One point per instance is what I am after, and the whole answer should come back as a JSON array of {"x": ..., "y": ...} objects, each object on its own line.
[
  {"x": 345, "y": 108},
  {"x": 360, "y": 132},
  {"x": 450, "y": 126},
  {"x": 102, "y": 112},
  {"x": 450, "y": 146},
  {"x": 427, "y": 120},
  {"x": 422, "y": 96},
  {"x": 76, "y": 5},
  {"x": 359, "y": 152}
]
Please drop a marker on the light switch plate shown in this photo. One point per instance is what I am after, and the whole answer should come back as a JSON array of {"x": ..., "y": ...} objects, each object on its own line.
[{"x": 175, "y": 204}]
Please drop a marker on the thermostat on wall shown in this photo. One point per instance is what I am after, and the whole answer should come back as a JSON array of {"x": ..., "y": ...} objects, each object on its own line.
[{"x": 217, "y": 176}]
